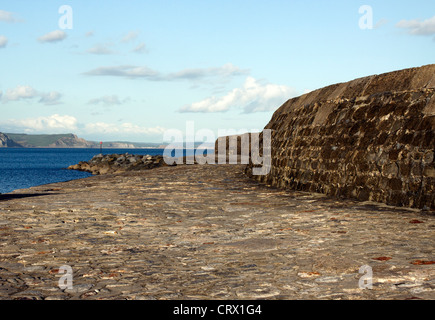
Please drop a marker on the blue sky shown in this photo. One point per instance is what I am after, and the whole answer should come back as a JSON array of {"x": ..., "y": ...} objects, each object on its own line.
[{"x": 129, "y": 70}]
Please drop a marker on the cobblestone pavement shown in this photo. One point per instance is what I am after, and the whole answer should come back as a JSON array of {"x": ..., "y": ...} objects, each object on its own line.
[{"x": 207, "y": 232}]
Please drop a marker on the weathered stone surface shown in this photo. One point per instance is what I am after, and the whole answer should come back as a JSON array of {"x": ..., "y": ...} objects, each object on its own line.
[
  {"x": 207, "y": 232},
  {"x": 369, "y": 139}
]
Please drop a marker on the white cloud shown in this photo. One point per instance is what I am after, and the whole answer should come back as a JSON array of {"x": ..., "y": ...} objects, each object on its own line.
[
  {"x": 108, "y": 100},
  {"x": 3, "y": 41},
  {"x": 54, "y": 36},
  {"x": 53, "y": 123},
  {"x": 226, "y": 70},
  {"x": 132, "y": 72},
  {"x": 66, "y": 123},
  {"x": 418, "y": 27},
  {"x": 50, "y": 98},
  {"x": 27, "y": 92},
  {"x": 20, "y": 92},
  {"x": 129, "y": 36},
  {"x": 6, "y": 16},
  {"x": 381, "y": 23},
  {"x": 126, "y": 71},
  {"x": 124, "y": 128},
  {"x": 252, "y": 97},
  {"x": 141, "y": 48},
  {"x": 100, "y": 49}
]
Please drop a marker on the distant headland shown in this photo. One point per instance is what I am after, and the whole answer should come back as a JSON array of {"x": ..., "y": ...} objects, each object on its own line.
[{"x": 69, "y": 140}]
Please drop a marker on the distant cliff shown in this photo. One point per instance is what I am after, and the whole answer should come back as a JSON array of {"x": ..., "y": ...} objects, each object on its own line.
[
  {"x": 370, "y": 139},
  {"x": 6, "y": 142},
  {"x": 50, "y": 140},
  {"x": 69, "y": 140},
  {"x": 72, "y": 141}
]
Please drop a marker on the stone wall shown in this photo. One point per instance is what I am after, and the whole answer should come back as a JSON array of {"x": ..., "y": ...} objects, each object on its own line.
[{"x": 369, "y": 139}]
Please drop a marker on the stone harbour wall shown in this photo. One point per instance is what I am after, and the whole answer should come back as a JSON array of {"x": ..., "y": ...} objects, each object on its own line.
[{"x": 369, "y": 139}]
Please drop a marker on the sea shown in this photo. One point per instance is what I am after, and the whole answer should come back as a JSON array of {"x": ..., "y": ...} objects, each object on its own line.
[{"x": 22, "y": 168}]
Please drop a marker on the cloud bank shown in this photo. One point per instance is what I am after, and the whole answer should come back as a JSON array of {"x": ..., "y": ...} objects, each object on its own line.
[
  {"x": 53, "y": 123},
  {"x": 252, "y": 97},
  {"x": 66, "y": 123}
]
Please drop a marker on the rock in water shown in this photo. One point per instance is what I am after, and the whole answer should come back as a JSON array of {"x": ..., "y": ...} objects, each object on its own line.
[{"x": 113, "y": 163}]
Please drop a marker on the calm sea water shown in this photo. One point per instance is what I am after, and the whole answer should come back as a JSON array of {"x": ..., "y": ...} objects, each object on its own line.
[{"x": 27, "y": 167}]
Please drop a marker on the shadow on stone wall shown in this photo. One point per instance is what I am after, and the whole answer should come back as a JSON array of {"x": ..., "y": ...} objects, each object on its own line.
[{"x": 369, "y": 139}]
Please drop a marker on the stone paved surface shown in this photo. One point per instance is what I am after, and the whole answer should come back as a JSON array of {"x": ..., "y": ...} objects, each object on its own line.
[{"x": 207, "y": 232}]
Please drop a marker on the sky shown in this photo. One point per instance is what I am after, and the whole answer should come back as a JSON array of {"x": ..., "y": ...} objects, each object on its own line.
[{"x": 132, "y": 70}]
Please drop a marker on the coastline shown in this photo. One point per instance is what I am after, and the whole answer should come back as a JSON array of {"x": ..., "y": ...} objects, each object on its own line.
[
  {"x": 207, "y": 232},
  {"x": 26, "y": 167}
]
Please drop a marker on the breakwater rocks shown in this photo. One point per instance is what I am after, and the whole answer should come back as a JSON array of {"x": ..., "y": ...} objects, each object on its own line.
[
  {"x": 114, "y": 163},
  {"x": 368, "y": 139}
]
